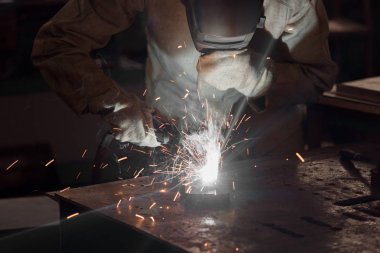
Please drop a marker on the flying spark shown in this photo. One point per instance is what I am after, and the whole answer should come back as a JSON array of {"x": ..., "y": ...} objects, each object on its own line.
[
  {"x": 63, "y": 190},
  {"x": 196, "y": 159},
  {"x": 50, "y": 162},
  {"x": 122, "y": 159},
  {"x": 176, "y": 196},
  {"x": 140, "y": 216},
  {"x": 300, "y": 157},
  {"x": 152, "y": 205},
  {"x": 71, "y": 216},
  {"x": 84, "y": 153},
  {"x": 11, "y": 165},
  {"x": 138, "y": 174}
]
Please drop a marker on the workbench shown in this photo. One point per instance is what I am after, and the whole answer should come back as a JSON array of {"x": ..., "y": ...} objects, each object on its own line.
[
  {"x": 277, "y": 204},
  {"x": 357, "y": 117}
]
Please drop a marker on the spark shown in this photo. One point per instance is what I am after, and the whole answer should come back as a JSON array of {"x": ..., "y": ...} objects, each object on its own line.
[
  {"x": 71, "y": 216},
  {"x": 240, "y": 122},
  {"x": 189, "y": 189},
  {"x": 151, "y": 183},
  {"x": 158, "y": 98},
  {"x": 152, "y": 218},
  {"x": 138, "y": 174},
  {"x": 237, "y": 249},
  {"x": 78, "y": 175},
  {"x": 140, "y": 216},
  {"x": 199, "y": 156},
  {"x": 152, "y": 205},
  {"x": 130, "y": 198},
  {"x": 11, "y": 165},
  {"x": 300, "y": 157},
  {"x": 176, "y": 196},
  {"x": 84, "y": 153},
  {"x": 67, "y": 188},
  {"x": 139, "y": 150},
  {"x": 144, "y": 92},
  {"x": 179, "y": 46},
  {"x": 128, "y": 185},
  {"x": 122, "y": 159},
  {"x": 233, "y": 185},
  {"x": 118, "y": 204},
  {"x": 49, "y": 162}
]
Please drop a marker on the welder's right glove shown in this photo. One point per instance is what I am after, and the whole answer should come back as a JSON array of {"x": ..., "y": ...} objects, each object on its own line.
[
  {"x": 130, "y": 118},
  {"x": 248, "y": 72}
]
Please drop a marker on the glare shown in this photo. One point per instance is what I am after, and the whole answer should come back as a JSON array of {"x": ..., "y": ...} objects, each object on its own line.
[{"x": 209, "y": 172}]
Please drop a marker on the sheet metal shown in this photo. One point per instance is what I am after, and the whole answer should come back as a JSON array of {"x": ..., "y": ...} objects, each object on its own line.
[{"x": 277, "y": 206}]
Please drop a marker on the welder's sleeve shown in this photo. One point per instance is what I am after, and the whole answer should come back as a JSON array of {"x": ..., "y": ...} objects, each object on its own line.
[
  {"x": 305, "y": 69},
  {"x": 63, "y": 46}
]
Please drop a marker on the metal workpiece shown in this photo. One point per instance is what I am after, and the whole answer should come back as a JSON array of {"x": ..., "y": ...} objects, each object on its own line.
[{"x": 274, "y": 205}]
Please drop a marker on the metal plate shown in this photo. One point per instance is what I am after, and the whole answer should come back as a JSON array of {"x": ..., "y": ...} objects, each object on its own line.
[{"x": 276, "y": 206}]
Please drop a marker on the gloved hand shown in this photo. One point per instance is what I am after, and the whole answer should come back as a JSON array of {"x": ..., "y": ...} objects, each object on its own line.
[
  {"x": 130, "y": 117},
  {"x": 246, "y": 71}
]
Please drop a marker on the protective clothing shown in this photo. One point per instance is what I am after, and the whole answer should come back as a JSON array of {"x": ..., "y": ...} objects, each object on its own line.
[{"x": 298, "y": 46}]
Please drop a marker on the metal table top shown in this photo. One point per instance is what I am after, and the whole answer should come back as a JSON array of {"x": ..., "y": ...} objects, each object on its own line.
[{"x": 276, "y": 205}]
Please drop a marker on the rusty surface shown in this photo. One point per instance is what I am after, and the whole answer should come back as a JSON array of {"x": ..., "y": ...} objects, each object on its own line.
[{"x": 276, "y": 207}]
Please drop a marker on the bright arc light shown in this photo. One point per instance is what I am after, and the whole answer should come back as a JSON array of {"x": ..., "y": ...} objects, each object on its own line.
[{"x": 209, "y": 172}]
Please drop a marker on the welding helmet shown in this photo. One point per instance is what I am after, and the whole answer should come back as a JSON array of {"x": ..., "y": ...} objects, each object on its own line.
[{"x": 223, "y": 24}]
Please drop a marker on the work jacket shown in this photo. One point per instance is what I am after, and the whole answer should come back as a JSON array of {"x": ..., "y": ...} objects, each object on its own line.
[{"x": 294, "y": 37}]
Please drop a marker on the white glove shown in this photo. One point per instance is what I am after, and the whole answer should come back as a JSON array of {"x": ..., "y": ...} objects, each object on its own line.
[
  {"x": 246, "y": 71},
  {"x": 130, "y": 117}
]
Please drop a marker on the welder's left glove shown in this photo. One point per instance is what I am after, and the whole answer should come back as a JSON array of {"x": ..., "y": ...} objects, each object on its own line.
[
  {"x": 130, "y": 118},
  {"x": 246, "y": 71}
]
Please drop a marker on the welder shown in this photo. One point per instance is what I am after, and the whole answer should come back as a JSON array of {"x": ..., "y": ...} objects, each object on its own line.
[{"x": 273, "y": 54}]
